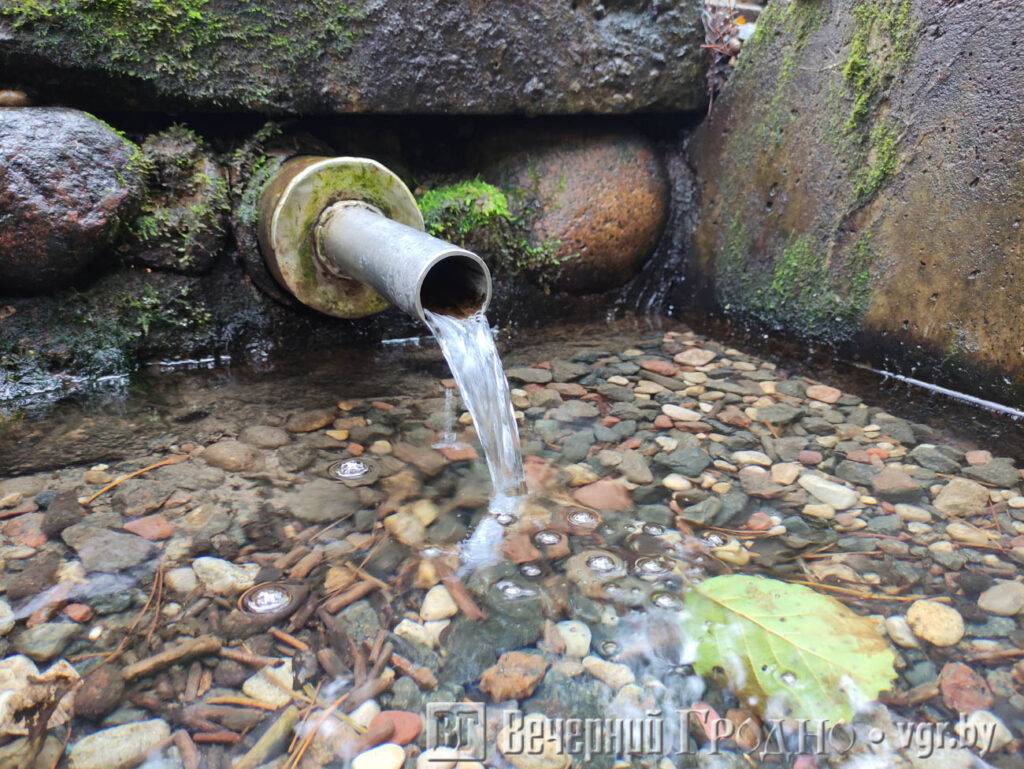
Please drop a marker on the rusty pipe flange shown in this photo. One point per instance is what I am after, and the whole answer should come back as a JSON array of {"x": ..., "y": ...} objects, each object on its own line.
[{"x": 290, "y": 208}]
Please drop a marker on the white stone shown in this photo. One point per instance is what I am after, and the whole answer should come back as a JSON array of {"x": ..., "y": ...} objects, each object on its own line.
[
  {"x": 611, "y": 673},
  {"x": 181, "y": 580},
  {"x": 900, "y": 633},
  {"x": 969, "y": 535},
  {"x": 438, "y": 604},
  {"x": 824, "y": 512},
  {"x": 271, "y": 685},
  {"x": 666, "y": 443},
  {"x": 439, "y": 758},
  {"x": 115, "y": 746},
  {"x": 751, "y": 458},
  {"x": 6, "y": 618},
  {"x": 935, "y": 623},
  {"x": 676, "y": 482},
  {"x": 380, "y": 447},
  {"x": 365, "y": 713},
  {"x": 222, "y": 577},
  {"x": 1004, "y": 599},
  {"x": 413, "y": 631},
  {"x": 434, "y": 630},
  {"x": 828, "y": 492},
  {"x": 576, "y": 637},
  {"x": 913, "y": 513},
  {"x": 680, "y": 414},
  {"x": 1017, "y": 503},
  {"x": 619, "y": 381},
  {"x": 786, "y": 473},
  {"x": 386, "y": 756}
]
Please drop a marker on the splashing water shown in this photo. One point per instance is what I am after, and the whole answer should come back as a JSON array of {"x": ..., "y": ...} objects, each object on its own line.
[{"x": 469, "y": 348}]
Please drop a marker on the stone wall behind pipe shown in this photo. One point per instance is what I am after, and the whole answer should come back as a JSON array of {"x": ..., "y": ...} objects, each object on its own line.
[{"x": 179, "y": 275}]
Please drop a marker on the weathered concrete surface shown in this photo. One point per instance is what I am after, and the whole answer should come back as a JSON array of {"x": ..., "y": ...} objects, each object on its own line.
[
  {"x": 383, "y": 56},
  {"x": 862, "y": 175},
  {"x": 67, "y": 183}
]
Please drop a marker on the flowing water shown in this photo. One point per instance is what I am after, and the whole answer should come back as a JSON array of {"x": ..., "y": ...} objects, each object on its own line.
[{"x": 469, "y": 348}]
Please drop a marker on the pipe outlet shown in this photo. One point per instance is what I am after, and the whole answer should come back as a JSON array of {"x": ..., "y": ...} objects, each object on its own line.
[{"x": 345, "y": 237}]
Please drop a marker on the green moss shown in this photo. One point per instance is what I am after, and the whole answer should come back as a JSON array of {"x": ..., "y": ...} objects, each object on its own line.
[
  {"x": 882, "y": 163},
  {"x": 462, "y": 207},
  {"x": 477, "y": 215},
  {"x": 144, "y": 310},
  {"x": 195, "y": 46}
]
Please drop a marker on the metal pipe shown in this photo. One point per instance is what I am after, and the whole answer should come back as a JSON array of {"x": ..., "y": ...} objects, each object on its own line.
[
  {"x": 345, "y": 237},
  {"x": 409, "y": 268}
]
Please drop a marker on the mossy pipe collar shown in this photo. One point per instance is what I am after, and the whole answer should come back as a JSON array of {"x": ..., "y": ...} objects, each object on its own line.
[{"x": 345, "y": 237}]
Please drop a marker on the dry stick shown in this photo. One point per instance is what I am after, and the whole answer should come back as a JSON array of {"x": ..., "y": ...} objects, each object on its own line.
[
  {"x": 159, "y": 579},
  {"x": 301, "y": 617},
  {"x": 194, "y": 647},
  {"x": 123, "y": 478},
  {"x": 248, "y": 658},
  {"x": 222, "y": 737},
  {"x": 242, "y": 702},
  {"x": 423, "y": 676},
  {"x": 187, "y": 749},
  {"x": 292, "y": 557},
  {"x": 350, "y": 596},
  {"x": 857, "y": 594},
  {"x": 290, "y": 640},
  {"x": 307, "y": 563}
]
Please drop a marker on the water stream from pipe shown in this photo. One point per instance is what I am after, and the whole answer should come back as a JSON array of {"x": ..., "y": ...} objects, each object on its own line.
[{"x": 469, "y": 348}]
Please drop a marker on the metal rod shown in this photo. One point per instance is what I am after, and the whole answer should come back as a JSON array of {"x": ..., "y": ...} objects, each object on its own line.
[{"x": 409, "y": 268}]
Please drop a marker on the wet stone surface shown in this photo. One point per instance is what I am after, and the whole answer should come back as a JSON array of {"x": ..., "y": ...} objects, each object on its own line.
[{"x": 221, "y": 603}]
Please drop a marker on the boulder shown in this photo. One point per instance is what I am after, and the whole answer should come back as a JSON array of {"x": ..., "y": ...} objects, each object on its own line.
[
  {"x": 387, "y": 56},
  {"x": 597, "y": 203},
  {"x": 67, "y": 183},
  {"x": 855, "y": 184}
]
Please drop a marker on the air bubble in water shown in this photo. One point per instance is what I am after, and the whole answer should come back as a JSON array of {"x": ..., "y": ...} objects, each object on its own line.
[
  {"x": 583, "y": 518},
  {"x": 654, "y": 529},
  {"x": 547, "y": 538},
  {"x": 264, "y": 599},
  {"x": 788, "y": 678},
  {"x": 514, "y": 592},
  {"x": 652, "y": 567},
  {"x": 601, "y": 563},
  {"x": 530, "y": 570},
  {"x": 666, "y": 601}
]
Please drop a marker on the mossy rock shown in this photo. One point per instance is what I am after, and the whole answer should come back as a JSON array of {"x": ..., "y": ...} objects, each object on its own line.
[{"x": 183, "y": 224}]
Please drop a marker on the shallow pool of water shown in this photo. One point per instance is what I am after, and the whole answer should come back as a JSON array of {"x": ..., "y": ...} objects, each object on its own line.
[{"x": 239, "y": 605}]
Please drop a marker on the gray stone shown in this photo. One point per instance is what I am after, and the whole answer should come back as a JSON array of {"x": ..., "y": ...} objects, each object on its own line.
[
  {"x": 934, "y": 459},
  {"x": 689, "y": 461},
  {"x": 856, "y": 473},
  {"x": 111, "y": 551},
  {"x": 566, "y": 371},
  {"x": 360, "y": 621},
  {"x": 265, "y": 436},
  {"x": 321, "y": 501},
  {"x": 528, "y": 374},
  {"x": 634, "y": 467},
  {"x": 46, "y": 641},
  {"x": 998, "y": 472},
  {"x": 572, "y": 410},
  {"x": 779, "y": 414}
]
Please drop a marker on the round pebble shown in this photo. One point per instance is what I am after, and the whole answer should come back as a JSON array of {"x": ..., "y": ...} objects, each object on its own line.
[{"x": 935, "y": 623}]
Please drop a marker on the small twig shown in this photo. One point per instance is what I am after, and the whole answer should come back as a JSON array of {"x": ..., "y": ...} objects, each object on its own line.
[
  {"x": 247, "y": 658},
  {"x": 123, "y": 478},
  {"x": 242, "y": 702},
  {"x": 290, "y": 640}
]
